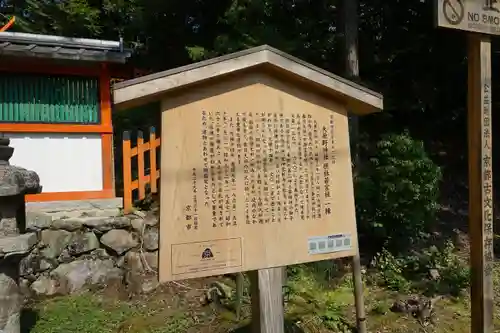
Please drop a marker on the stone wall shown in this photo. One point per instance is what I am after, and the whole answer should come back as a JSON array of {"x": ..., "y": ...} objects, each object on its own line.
[{"x": 77, "y": 250}]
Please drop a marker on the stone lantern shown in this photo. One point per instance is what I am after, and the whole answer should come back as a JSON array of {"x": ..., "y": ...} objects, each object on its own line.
[{"x": 15, "y": 182}]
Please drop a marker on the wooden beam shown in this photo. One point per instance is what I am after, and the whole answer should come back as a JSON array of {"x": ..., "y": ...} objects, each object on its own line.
[
  {"x": 240, "y": 281},
  {"x": 108, "y": 166},
  {"x": 66, "y": 196},
  {"x": 267, "y": 300},
  {"x": 480, "y": 182},
  {"x": 127, "y": 173},
  {"x": 54, "y": 128}
]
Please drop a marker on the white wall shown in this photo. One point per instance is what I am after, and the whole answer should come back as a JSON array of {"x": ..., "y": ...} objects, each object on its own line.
[{"x": 64, "y": 162}]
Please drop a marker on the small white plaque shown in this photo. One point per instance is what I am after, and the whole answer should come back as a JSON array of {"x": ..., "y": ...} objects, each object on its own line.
[{"x": 329, "y": 243}]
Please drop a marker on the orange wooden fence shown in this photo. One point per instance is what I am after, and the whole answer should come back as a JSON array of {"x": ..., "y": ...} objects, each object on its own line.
[{"x": 143, "y": 179}]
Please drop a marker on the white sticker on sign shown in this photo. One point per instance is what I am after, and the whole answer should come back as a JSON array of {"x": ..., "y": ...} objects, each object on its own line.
[{"x": 329, "y": 244}]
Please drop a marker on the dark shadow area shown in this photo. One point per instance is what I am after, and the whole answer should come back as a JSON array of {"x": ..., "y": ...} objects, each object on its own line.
[
  {"x": 21, "y": 214},
  {"x": 29, "y": 317},
  {"x": 290, "y": 327}
]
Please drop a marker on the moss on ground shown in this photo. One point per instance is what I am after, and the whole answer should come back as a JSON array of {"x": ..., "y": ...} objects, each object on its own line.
[
  {"x": 311, "y": 307},
  {"x": 90, "y": 313}
]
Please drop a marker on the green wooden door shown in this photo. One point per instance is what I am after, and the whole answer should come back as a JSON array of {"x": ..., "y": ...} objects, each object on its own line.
[{"x": 48, "y": 99}]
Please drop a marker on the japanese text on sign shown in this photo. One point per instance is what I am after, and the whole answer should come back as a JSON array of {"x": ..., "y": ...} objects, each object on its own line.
[
  {"x": 285, "y": 161},
  {"x": 487, "y": 176}
]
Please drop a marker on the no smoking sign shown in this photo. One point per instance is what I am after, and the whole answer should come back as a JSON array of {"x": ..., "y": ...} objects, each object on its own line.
[{"x": 453, "y": 11}]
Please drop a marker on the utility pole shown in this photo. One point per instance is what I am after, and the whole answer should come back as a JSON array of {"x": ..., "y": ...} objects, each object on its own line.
[{"x": 348, "y": 28}]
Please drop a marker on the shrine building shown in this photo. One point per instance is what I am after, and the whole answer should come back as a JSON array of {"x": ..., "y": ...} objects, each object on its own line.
[{"x": 55, "y": 106}]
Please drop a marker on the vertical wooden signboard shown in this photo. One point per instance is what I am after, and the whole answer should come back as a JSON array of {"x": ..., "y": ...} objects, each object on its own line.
[
  {"x": 483, "y": 18},
  {"x": 480, "y": 182}
]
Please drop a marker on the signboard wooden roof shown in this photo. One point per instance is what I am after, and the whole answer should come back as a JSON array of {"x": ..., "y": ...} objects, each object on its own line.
[
  {"x": 255, "y": 167},
  {"x": 481, "y": 16},
  {"x": 146, "y": 88}
]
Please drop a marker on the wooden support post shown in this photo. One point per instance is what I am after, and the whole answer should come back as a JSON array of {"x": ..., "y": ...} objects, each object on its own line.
[
  {"x": 140, "y": 165},
  {"x": 108, "y": 166},
  {"x": 358, "y": 294},
  {"x": 127, "y": 172},
  {"x": 267, "y": 300},
  {"x": 480, "y": 182},
  {"x": 349, "y": 27},
  {"x": 152, "y": 160},
  {"x": 240, "y": 284}
]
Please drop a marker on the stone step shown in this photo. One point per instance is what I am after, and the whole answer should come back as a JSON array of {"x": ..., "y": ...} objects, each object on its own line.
[
  {"x": 100, "y": 220},
  {"x": 110, "y": 212},
  {"x": 75, "y": 205}
]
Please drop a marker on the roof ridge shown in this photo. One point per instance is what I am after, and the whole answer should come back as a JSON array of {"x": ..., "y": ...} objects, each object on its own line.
[
  {"x": 51, "y": 40},
  {"x": 165, "y": 81}
]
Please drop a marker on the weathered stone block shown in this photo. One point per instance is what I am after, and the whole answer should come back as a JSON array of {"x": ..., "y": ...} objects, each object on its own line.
[
  {"x": 150, "y": 239},
  {"x": 10, "y": 299},
  {"x": 68, "y": 224},
  {"x": 141, "y": 263},
  {"x": 77, "y": 275},
  {"x": 38, "y": 221},
  {"x": 54, "y": 242},
  {"x": 35, "y": 263},
  {"x": 151, "y": 260},
  {"x": 106, "y": 212},
  {"x": 83, "y": 243},
  {"x": 107, "y": 223},
  {"x": 151, "y": 219},
  {"x": 119, "y": 241},
  {"x": 138, "y": 224},
  {"x": 15, "y": 180},
  {"x": 16, "y": 245},
  {"x": 45, "y": 286},
  {"x": 10, "y": 208}
]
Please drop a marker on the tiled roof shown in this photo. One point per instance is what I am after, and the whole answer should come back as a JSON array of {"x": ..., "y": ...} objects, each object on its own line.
[{"x": 56, "y": 47}]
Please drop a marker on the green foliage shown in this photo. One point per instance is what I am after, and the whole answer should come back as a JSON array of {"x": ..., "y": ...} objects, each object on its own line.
[
  {"x": 88, "y": 313},
  {"x": 423, "y": 77},
  {"x": 433, "y": 270},
  {"x": 79, "y": 313},
  {"x": 333, "y": 318},
  {"x": 397, "y": 192},
  {"x": 453, "y": 273},
  {"x": 196, "y": 53},
  {"x": 312, "y": 302},
  {"x": 380, "y": 308},
  {"x": 390, "y": 271},
  {"x": 79, "y": 18},
  {"x": 178, "y": 323}
]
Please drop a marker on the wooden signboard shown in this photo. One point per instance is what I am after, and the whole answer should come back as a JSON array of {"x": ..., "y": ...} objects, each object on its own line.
[
  {"x": 255, "y": 168},
  {"x": 481, "y": 16},
  {"x": 261, "y": 177},
  {"x": 255, "y": 162},
  {"x": 480, "y": 183}
]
